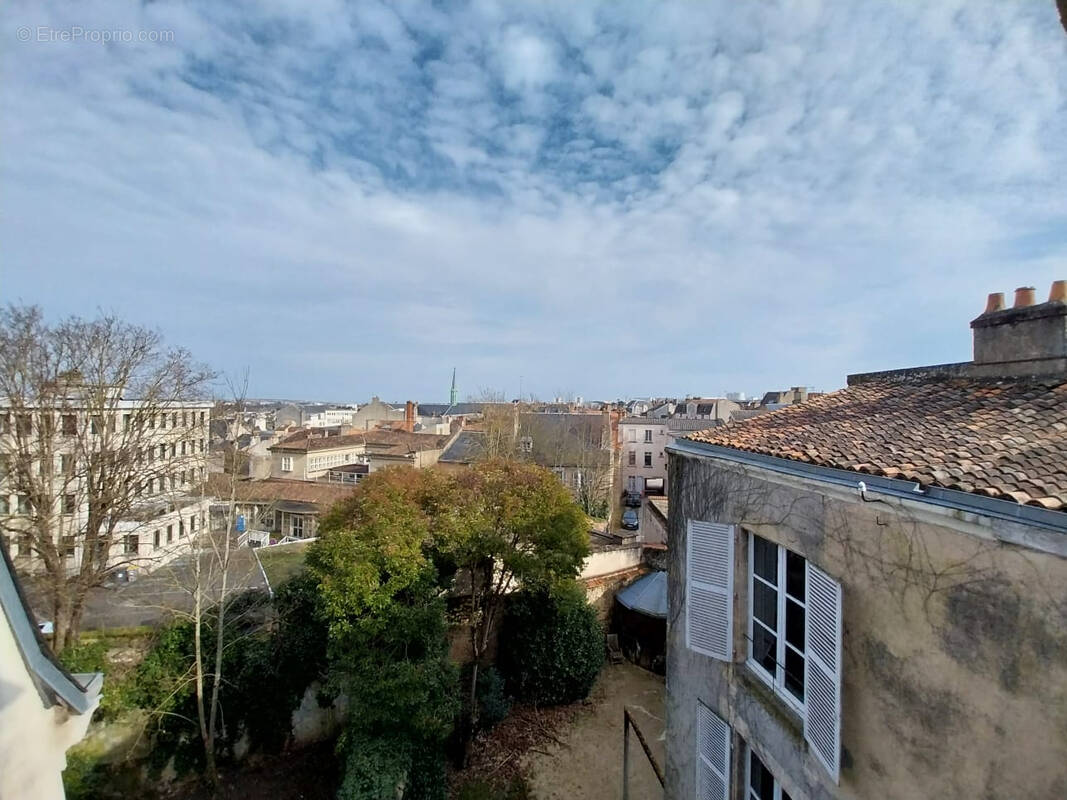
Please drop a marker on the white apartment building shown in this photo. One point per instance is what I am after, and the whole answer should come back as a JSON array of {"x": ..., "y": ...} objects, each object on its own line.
[
  {"x": 644, "y": 457},
  {"x": 329, "y": 417},
  {"x": 149, "y": 459}
]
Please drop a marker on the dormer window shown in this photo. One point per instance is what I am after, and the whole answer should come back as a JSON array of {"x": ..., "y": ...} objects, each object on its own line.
[{"x": 526, "y": 444}]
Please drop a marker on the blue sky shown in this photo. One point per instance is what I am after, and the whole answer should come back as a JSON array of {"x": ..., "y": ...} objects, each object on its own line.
[{"x": 608, "y": 199}]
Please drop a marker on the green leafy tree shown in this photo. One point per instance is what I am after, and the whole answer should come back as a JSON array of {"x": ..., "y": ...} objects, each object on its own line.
[
  {"x": 552, "y": 645},
  {"x": 382, "y": 600},
  {"x": 508, "y": 524}
]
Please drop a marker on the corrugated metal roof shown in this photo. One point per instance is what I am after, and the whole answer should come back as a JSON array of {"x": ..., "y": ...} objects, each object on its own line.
[{"x": 647, "y": 595}]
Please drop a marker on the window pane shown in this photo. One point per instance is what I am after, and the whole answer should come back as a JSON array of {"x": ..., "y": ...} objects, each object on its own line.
[
  {"x": 760, "y": 780},
  {"x": 794, "y": 674},
  {"x": 794, "y": 575},
  {"x": 794, "y": 624},
  {"x": 765, "y": 559},
  {"x": 764, "y": 648},
  {"x": 765, "y": 604}
]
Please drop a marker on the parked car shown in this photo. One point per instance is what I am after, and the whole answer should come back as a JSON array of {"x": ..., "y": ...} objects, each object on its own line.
[
  {"x": 633, "y": 499},
  {"x": 629, "y": 520}
]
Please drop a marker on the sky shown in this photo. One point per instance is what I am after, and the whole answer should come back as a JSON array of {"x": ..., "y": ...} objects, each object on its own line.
[{"x": 610, "y": 200}]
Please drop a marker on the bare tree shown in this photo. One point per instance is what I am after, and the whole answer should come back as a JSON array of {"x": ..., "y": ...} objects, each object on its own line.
[{"x": 94, "y": 431}]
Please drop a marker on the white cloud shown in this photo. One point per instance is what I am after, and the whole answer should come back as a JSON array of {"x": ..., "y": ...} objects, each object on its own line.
[{"x": 745, "y": 200}]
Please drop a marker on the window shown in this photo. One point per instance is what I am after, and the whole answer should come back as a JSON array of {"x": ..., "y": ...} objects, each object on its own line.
[
  {"x": 24, "y": 504},
  {"x": 777, "y": 613},
  {"x": 130, "y": 543},
  {"x": 201, "y": 417},
  {"x": 201, "y": 445},
  {"x": 631, "y": 435},
  {"x": 648, "y": 435},
  {"x": 761, "y": 783},
  {"x": 579, "y": 479},
  {"x": 125, "y": 422},
  {"x": 192, "y": 524},
  {"x": 23, "y": 424},
  {"x": 526, "y": 444},
  {"x": 183, "y": 447},
  {"x": 151, "y": 485},
  {"x": 184, "y": 423},
  {"x": 170, "y": 534},
  {"x": 174, "y": 420},
  {"x": 66, "y": 464},
  {"x": 296, "y": 527},
  {"x": 173, "y": 449},
  {"x": 25, "y": 545},
  {"x": 96, "y": 424},
  {"x": 794, "y": 630},
  {"x": 155, "y": 540},
  {"x": 5, "y": 504},
  {"x": 648, "y": 458},
  {"x": 631, "y": 458},
  {"x": 67, "y": 546},
  {"x": 287, "y": 463},
  {"x": 181, "y": 529},
  {"x": 69, "y": 504},
  {"x": 70, "y": 424}
]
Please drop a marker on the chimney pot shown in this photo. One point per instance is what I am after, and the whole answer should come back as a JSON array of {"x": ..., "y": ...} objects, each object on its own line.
[
  {"x": 1024, "y": 296},
  {"x": 1058, "y": 292},
  {"x": 994, "y": 303}
]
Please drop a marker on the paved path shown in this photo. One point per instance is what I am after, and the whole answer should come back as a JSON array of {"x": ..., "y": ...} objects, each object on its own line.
[
  {"x": 588, "y": 763},
  {"x": 151, "y": 596}
]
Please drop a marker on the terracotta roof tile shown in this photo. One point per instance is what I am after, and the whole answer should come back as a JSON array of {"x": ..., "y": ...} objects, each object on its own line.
[{"x": 1005, "y": 439}]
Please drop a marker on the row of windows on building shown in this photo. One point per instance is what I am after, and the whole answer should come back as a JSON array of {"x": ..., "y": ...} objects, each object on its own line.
[
  {"x": 98, "y": 423},
  {"x": 22, "y": 503},
  {"x": 131, "y": 543},
  {"x": 631, "y": 458},
  {"x": 326, "y": 461},
  {"x": 631, "y": 435},
  {"x": 149, "y": 455}
]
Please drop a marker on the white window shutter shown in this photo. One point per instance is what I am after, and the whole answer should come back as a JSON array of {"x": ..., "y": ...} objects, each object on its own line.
[
  {"x": 709, "y": 589},
  {"x": 822, "y": 669},
  {"x": 713, "y": 755}
]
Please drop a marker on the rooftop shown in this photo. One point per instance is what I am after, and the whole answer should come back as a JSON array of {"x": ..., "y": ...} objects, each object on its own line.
[
  {"x": 999, "y": 438},
  {"x": 397, "y": 441}
]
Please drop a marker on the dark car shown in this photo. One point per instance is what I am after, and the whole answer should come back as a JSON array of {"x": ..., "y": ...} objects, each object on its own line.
[
  {"x": 629, "y": 520},
  {"x": 633, "y": 499}
]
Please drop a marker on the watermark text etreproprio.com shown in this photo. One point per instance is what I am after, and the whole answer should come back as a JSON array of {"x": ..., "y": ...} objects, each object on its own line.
[{"x": 76, "y": 33}]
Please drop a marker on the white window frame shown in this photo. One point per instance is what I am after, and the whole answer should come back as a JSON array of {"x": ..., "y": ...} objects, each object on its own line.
[
  {"x": 779, "y": 792},
  {"x": 777, "y": 681},
  {"x": 648, "y": 436},
  {"x": 287, "y": 463}
]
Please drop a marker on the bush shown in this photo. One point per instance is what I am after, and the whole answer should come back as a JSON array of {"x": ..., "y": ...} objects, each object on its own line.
[
  {"x": 90, "y": 655},
  {"x": 493, "y": 701},
  {"x": 551, "y": 645}
]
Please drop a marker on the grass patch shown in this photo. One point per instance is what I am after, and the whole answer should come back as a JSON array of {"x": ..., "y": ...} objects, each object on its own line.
[{"x": 282, "y": 561}]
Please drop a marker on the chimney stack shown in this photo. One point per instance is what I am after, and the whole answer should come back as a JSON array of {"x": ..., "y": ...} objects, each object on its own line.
[
  {"x": 1024, "y": 296},
  {"x": 409, "y": 416},
  {"x": 1026, "y": 339}
]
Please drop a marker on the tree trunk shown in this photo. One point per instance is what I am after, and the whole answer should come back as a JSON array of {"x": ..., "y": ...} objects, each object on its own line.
[{"x": 62, "y": 619}]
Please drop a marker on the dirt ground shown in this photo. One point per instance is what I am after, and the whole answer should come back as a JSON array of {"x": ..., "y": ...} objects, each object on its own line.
[{"x": 586, "y": 761}]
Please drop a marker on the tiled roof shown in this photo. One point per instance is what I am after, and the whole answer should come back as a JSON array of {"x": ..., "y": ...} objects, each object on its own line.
[
  {"x": 1005, "y": 439},
  {"x": 412, "y": 442},
  {"x": 274, "y": 490}
]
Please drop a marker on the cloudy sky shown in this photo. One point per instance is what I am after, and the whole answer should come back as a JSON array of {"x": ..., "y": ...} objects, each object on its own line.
[{"x": 612, "y": 199}]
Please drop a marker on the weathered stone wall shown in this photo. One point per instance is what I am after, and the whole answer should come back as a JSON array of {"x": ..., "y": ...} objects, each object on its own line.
[{"x": 955, "y": 645}]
